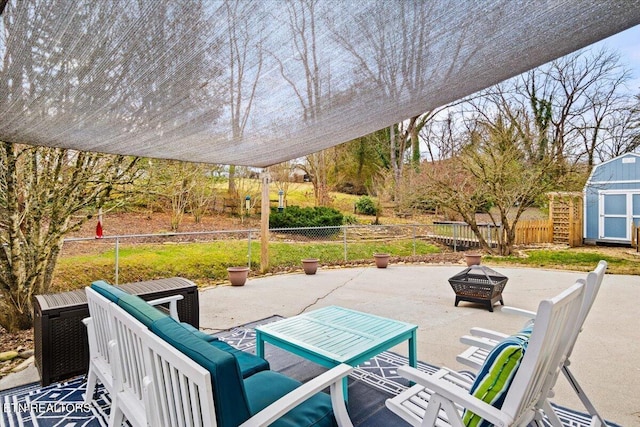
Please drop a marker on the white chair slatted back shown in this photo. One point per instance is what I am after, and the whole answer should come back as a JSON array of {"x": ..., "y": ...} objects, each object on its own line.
[
  {"x": 101, "y": 363},
  {"x": 99, "y": 312},
  {"x": 129, "y": 334},
  {"x": 131, "y": 354},
  {"x": 548, "y": 347},
  {"x": 181, "y": 389}
]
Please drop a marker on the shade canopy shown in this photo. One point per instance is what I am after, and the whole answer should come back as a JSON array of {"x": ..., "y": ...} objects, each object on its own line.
[{"x": 259, "y": 82}]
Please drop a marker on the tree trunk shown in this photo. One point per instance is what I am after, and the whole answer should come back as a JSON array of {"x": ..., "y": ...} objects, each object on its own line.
[
  {"x": 232, "y": 189},
  {"x": 415, "y": 146},
  {"x": 46, "y": 193}
]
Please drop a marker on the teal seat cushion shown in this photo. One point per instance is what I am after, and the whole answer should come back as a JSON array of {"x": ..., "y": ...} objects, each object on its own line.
[
  {"x": 496, "y": 375},
  {"x": 140, "y": 309},
  {"x": 249, "y": 363},
  {"x": 198, "y": 333},
  {"x": 228, "y": 389},
  {"x": 108, "y": 291},
  {"x": 266, "y": 387}
]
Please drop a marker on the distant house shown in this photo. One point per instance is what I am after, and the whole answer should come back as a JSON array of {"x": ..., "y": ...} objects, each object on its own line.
[
  {"x": 612, "y": 200},
  {"x": 299, "y": 175}
]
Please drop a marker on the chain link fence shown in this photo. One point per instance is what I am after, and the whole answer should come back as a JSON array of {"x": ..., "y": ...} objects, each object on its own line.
[{"x": 331, "y": 245}]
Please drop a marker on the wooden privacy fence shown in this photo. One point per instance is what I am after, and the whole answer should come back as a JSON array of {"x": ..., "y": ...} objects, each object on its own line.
[
  {"x": 635, "y": 236},
  {"x": 460, "y": 234},
  {"x": 534, "y": 231}
]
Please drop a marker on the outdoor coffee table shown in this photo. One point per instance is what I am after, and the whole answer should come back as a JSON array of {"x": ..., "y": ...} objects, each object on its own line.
[{"x": 334, "y": 335}]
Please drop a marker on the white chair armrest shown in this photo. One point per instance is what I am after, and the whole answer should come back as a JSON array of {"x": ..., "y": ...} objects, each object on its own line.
[
  {"x": 332, "y": 378},
  {"x": 480, "y": 342},
  {"x": 91, "y": 336},
  {"x": 488, "y": 334},
  {"x": 520, "y": 312},
  {"x": 455, "y": 393},
  {"x": 473, "y": 357},
  {"x": 173, "y": 304}
]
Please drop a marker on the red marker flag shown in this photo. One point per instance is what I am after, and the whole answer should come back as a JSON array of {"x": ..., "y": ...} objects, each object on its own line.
[{"x": 99, "y": 226}]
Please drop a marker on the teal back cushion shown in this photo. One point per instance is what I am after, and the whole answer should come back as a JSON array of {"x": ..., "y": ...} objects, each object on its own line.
[
  {"x": 228, "y": 387},
  {"x": 108, "y": 291},
  {"x": 140, "y": 309},
  {"x": 496, "y": 375}
]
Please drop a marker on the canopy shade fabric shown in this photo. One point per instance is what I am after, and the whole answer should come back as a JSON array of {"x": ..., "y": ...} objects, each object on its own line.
[{"x": 259, "y": 82}]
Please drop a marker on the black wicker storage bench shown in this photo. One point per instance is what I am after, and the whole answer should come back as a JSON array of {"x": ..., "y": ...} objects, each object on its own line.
[
  {"x": 479, "y": 284},
  {"x": 60, "y": 337}
]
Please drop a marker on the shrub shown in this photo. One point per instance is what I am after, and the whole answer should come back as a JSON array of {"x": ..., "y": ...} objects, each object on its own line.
[
  {"x": 295, "y": 217},
  {"x": 366, "y": 206}
]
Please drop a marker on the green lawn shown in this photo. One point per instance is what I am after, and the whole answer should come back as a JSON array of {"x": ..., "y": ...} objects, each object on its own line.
[
  {"x": 206, "y": 263},
  {"x": 580, "y": 259}
]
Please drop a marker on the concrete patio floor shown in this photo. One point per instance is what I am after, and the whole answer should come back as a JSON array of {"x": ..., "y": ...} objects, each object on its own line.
[{"x": 606, "y": 359}]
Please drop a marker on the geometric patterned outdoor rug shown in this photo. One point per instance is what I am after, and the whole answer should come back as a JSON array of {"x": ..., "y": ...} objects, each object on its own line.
[
  {"x": 370, "y": 385},
  {"x": 378, "y": 373}
]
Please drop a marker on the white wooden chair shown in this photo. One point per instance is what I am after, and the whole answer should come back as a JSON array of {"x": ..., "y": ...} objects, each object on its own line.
[
  {"x": 127, "y": 399},
  {"x": 440, "y": 398},
  {"x": 482, "y": 341},
  {"x": 101, "y": 340},
  {"x": 161, "y": 386}
]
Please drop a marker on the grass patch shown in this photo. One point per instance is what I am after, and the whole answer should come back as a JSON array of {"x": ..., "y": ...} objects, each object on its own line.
[
  {"x": 298, "y": 194},
  {"x": 574, "y": 259},
  {"x": 206, "y": 263},
  {"x": 287, "y": 254}
]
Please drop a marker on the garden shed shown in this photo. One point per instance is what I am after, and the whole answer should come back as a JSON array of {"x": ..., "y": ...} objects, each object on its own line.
[{"x": 612, "y": 200}]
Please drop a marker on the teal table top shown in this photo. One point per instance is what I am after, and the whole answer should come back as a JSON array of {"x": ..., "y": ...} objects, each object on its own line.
[{"x": 334, "y": 335}]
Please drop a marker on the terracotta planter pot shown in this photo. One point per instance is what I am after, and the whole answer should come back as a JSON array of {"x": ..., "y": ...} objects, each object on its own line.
[
  {"x": 238, "y": 275},
  {"x": 382, "y": 260},
  {"x": 473, "y": 259},
  {"x": 310, "y": 265}
]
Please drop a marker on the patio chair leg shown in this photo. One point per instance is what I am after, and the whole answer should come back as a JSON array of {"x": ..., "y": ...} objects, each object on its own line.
[
  {"x": 90, "y": 393},
  {"x": 117, "y": 417},
  {"x": 595, "y": 416},
  {"x": 552, "y": 416}
]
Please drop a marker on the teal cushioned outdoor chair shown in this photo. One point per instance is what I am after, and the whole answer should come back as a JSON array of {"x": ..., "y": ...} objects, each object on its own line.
[{"x": 238, "y": 401}]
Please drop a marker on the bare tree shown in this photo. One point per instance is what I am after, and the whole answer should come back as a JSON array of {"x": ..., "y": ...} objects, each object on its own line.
[
  {"x": 490, "y": 171},
  {"x": 395, "y": 66},
  {"x": 281, "y": 177},
  {"x": 579, "y": 97},
  {"x": 301, "y": 21},
  {"x": 203, "y": 191},
  {"x": 440, "y": 136},
  {"x": 245, "y": 60},
  {"x": 528, "y": 135},
  {"x": 45, "y": 194},
  {"x": 614, "y": 136}
]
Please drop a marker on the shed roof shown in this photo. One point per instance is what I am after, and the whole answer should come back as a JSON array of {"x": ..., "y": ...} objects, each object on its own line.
[{"x": 597, "y": 174}]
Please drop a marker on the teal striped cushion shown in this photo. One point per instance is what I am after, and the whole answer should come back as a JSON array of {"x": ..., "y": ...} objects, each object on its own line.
[{"x": 494, "y": 378}]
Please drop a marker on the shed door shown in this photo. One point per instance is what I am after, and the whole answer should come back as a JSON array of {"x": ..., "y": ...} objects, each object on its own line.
[{"x": 617, "y": 211}]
